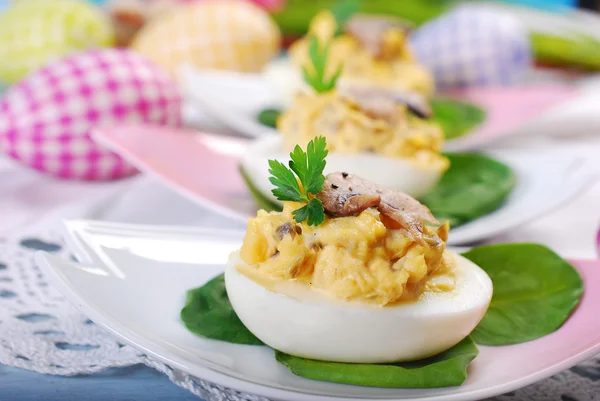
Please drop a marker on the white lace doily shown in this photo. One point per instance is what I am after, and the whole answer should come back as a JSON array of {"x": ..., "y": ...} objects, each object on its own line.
[{"x": 42, "y": 332}]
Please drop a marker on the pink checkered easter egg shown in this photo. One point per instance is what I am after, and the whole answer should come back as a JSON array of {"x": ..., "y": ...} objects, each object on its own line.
[{"x": 46, "y": 119}]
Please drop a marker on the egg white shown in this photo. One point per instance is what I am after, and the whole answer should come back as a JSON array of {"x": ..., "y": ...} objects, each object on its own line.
[
  {"x": 393, "y": 173},
  {"x": 300, "y": 321}
]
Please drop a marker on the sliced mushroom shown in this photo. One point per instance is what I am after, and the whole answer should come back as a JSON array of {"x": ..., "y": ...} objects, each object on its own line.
[
  {"x": 285, "y": 229},
  {"x": 347, "y": 204},
  {"x": 369, "y": 30},
  {"x": 381, "y": 102},
  {"x": 349, "y": 195}
]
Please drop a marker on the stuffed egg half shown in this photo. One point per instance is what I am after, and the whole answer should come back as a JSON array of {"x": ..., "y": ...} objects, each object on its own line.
[
  {"x": 371, "y": 49},
  {"x": 382, "y": 135},
  {"x": 373, "y": 283}
]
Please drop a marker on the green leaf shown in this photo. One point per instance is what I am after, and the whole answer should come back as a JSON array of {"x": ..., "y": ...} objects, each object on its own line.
[
  {"x": 286, "y": 184},
  {"x": 313, "y": 211},
  {"x": 308, "y": 166},
  {"x": 208, "y": 313},
  {"x": 535, "y": 292},
  {"x": 473, "y": 186},
  {"x": 269, "y": 117},
  {"x": 262, "y": 201},
  {"x": 299, "y": 164},
  {"x": 316, "y": 153},
  {"x": 314, "y": 74},
  {"x": 446, "y": 369},
  {"x": 301, "y": 214},
  {"x": 456, "y": 118}
]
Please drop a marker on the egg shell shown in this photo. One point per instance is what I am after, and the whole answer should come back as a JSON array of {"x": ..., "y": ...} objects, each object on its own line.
[
  {"x": 46, "y": 119},
  {"x": 474, "y": 46},
  {"x": 234, "y": 35},
  {"x": 36, "y": 32},
  {"x": 311, "y": 325}
]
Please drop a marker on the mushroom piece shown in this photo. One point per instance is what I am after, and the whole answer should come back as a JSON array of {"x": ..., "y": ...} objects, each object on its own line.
[
  {"x": 381, "y": 102},
  {"x": 348, "y": 195},
  {"x": 369, "y": 30}
]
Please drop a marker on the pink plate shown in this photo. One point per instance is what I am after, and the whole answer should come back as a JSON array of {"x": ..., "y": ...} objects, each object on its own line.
[
  {"x": 148, "y": 269},
  {"x": 202, "y": 167}
]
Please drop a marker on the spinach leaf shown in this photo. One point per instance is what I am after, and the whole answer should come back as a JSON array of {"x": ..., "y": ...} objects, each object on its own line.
[
  {"x": 535, "y": 292},
  {"x": 208, "y": 313},
  {"x": 473, "y": 186},
  {"x": 269, "y": 117},
  {"x": 446, "y": 369},
  {"x": 262, "y": 201},
  {"x": 455, "y": 117}
]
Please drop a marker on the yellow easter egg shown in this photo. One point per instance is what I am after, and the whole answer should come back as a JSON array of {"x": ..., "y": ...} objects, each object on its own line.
[
  {"x": 36, "y": 32},
  {"x": 232, "y": 35}
]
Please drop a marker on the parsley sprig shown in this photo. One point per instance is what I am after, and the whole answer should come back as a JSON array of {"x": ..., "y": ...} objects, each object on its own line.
[
  {"x": 305, "y": 184},
  {"x": 314, "y": 74}
]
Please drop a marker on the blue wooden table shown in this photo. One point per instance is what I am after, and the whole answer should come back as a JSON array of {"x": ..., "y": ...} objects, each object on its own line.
[{"x": 124, "y": 384}]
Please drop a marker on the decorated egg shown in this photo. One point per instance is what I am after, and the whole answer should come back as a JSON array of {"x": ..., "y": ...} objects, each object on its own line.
[
  {"x": 46, "y": 119},
  {"x": 36, "y": 32},
  {"x": 130, "y": 15},
  {"x": 474, "y": 46},
  {"x": 227, "y": 34}
]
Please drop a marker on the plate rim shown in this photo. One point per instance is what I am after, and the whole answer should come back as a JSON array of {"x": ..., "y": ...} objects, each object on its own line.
[
  {"x": 150, "y": 347},
  {"x": 143, "y": 166}
]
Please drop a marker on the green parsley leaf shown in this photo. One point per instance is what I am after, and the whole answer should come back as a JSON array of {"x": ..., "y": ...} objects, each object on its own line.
[
  {"x": 301, "y": 214},
  {"x": 286, "y": 184},
  {"x": 308, "y": 167},
  {"x": 314, "y": 74},
  {"x": 313, "y": 211}
]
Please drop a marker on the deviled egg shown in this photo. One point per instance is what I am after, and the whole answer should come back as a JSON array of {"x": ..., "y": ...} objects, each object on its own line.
[
  {"x": 372, "y": 49},
  {"x": 372, "y": 283},
  {"x": 381, "y": 134}
]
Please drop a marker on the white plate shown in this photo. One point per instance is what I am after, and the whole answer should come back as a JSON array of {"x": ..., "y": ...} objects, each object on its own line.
[{"x": 133, "y": 281}]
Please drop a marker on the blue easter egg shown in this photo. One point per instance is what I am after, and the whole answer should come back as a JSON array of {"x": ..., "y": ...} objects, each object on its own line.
[{"x": 474, "y": 46}]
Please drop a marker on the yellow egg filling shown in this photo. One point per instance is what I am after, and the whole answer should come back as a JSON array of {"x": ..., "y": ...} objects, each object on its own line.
[
  {"x": 395, "y": 67},
  {"x": 350, "y": 130},
  {"x": 347, "y": 258}
]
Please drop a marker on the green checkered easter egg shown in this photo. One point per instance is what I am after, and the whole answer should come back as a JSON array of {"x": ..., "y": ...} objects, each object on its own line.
[{"x": 36, "y": 32}]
